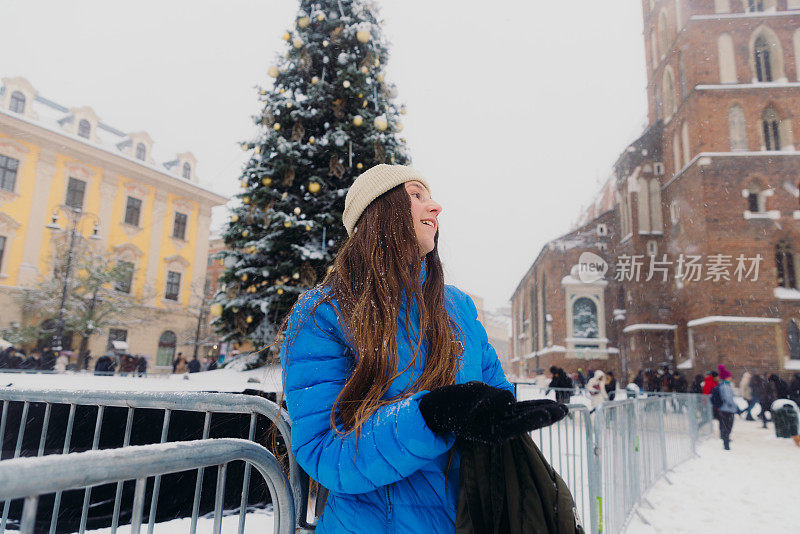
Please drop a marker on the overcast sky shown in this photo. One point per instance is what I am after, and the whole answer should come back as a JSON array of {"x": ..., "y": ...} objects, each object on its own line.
[{"x": 516, "y": 109}]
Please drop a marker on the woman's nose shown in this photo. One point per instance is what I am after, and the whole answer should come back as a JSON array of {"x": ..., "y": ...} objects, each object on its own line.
[{"x": 434, "y": 207}]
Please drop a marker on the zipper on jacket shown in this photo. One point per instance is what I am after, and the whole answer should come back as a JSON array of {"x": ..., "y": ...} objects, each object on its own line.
[{"x": 388, "y": 504}]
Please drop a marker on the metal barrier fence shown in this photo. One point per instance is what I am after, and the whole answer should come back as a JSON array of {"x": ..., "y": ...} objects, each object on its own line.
[
  {"x": 84, "y": 470},
  {"x": 96, "y": 404},
  {"x": 608, "y": 458}
]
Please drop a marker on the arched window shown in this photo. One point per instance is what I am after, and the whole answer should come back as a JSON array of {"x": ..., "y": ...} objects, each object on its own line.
[
  {"x": 584, "y": 319},
  {"x": 784, "y": 261},
  {"x": 755, "y": 200},
  {"x": 668, "y": 91},
  {"x": 755, "y": 5},
  {"x": 17, "y": 104},
  {"x": 84, "y": 128},
  {"x": 676, "y": 149},
  {"x": 727, "y": 59},
  {"x": 687, "y": 156},
  {"x": 653, "y": 48},
  {"x": 736, "y": 127},
  {"x": 187, "y": 170},
  {"x": 761, "y": 52},
  {"x": 682, "y": 68},
  {"x": 167, "y": 344},
  {"x": 766, "y": 56},
  {"x": 141, "y": 151},
  {"x": 793, "y": 340},
  {"x": 644, "y": 206},
  {"x": 771, "y": 124},
  {"x": 656, "y": 223},
  {"x": 663, "y": 36}
]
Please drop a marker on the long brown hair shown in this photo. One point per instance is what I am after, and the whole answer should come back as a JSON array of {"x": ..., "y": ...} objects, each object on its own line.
[{"x": 376, "y": 269}]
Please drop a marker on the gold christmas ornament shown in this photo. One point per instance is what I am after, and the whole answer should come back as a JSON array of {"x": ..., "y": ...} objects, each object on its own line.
[
  {"x": 287, "y": 36},
  {"x": 403, "y": 110},
  {"x": 381, "y": 123},
  {"x": 346, "y": 84},
  {"x": 282, "y": 90},
  {"x": 358, "y": 120},
  {"x": 360, "y": 95},
  {"x": 377, "y": 62},
  {"x": 325, "y": 42},
  {"x": 380, "y": 77},
  {"x": 391, "y": 159},
  {"x": 243, "y": 183},
  {"x": 308, "y": 228},
  {"x": 359, "y": 166},
  {"x": 245, "y": 146},
  {"x": 297, "y": 42},
  {"x": 234, "y": 218},
  {"x": 284, "y": 195},
  {"x": 303, "y": 22},
  {"x": 252, "y": 249},
  {"x": 245, "y": 233},
  {"x": 273, "y": 71},
  {"x": 398, "y": 127},
  {"x": 288, "y": 105},
  {"x": 287, "y": 55},
  {"x": 314, "y": 80},
  {"x": 249, "y": 319},
  {"x": 244, "y": 277},
  {"x": 364, "y": 104},
  {"x": 246, "y": 200},
  {"x": 297, "y": 211},
  {"x": 266, "y": 181},
  {"x": 288, "y": 224},
  {"x": 216, "y": 310},
  {"x": 312, "y": 140},
  {"x": 277, "y": 126},
  {"x": 362, "y": 36},
  {"x": 280, "y": 291},
  {"x": 258, "y": 150},
  {"x": 296, "y": 276},
  {"x": 321, "y": 17},
  {"x": 262, "y": 92},
  {"x": 364, "y": 70},
  {"x": 313, "y": 187}
]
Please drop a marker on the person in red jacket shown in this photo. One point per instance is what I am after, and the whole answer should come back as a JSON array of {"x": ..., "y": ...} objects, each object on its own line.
[{"x": 711, "y": 381}]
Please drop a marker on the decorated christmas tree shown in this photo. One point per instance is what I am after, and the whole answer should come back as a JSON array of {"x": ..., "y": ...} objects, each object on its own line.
[{"x": 329, "y": 115}]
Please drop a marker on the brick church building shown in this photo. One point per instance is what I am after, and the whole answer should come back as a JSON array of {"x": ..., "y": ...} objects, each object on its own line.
[{"x": 688, "y": 256}]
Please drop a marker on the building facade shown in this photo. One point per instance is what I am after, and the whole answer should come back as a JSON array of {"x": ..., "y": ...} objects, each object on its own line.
[
  {"x": 154, "y": 216},
  {"x": 688, "y": 255}
]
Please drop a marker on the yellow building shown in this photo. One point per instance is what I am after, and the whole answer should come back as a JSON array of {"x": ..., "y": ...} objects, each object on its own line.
[{"x": 154, "y": 215}]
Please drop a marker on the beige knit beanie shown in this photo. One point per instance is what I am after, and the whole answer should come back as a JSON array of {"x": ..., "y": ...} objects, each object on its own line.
[{"x": 370, "y": 185}]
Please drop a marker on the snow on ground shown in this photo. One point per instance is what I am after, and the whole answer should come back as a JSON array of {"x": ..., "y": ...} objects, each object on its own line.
[
  {"x": 751, "y": 488},
  {"x": 257, "y": 521},
  {"x": 267, "y": 379}
]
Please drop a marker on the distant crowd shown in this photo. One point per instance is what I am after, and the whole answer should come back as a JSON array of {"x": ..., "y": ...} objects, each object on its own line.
[{"x": 112, "y": 362}]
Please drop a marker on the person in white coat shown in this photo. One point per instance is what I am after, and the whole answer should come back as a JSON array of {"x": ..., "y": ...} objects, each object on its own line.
[{"x": 596, "y": 387}]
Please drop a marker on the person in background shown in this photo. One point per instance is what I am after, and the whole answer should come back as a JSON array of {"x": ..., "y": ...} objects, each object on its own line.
[
  {"x": 194, "y": 365},
  {"x": 710, "y": 382},
  {"x": 794, "y": 389},
  {"x": 746, "y": 391},
  {"x": 781, "y": 387},
  {"x": 141, "y": 366},
  {"x": 61, "y": 363},
  {"x": 769, "y": 396},
  {"x": 611, "y": 385},
  {"x": 581, "y": 380},
  {"x": 179, "y": 364},
  {"x": 697, "y": 385},
  {"x": 722, "y": 400},
  {"x": 212, "y": 364},
  {"x": 678, "y": 383},
  {"x": 596, "y": 389},
  {"x": 560, "y": 382}
]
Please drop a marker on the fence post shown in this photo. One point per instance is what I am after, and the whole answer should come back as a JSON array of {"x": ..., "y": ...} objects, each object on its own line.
[
  {"x": 694, "y": 430},
  {"x": 594, "y": 460},
  {"x": 662, "y": 406}
]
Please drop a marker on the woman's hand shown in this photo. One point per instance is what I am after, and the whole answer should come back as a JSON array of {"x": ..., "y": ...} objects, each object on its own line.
[{"x": 478, "y": 412}]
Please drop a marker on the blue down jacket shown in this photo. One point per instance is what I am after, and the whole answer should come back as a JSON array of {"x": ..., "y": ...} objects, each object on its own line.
[{"x": 393, "y": 479}]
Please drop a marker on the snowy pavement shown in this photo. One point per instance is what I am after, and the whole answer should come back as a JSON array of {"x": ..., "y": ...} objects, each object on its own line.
[{"x": 751, "y": 488}]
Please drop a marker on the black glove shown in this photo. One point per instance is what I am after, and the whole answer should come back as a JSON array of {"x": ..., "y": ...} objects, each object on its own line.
[{"x": 478, "y": 412}]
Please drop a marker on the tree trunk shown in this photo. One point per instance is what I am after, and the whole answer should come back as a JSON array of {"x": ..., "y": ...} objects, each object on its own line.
[{"x": 82, "y": 351}]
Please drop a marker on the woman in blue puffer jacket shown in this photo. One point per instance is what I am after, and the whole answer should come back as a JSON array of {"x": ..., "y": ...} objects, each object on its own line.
[{"x": 385, "y": 367}]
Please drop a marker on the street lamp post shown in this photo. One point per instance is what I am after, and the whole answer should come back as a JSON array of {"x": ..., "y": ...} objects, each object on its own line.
[{"x": 75, "y": 217}]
